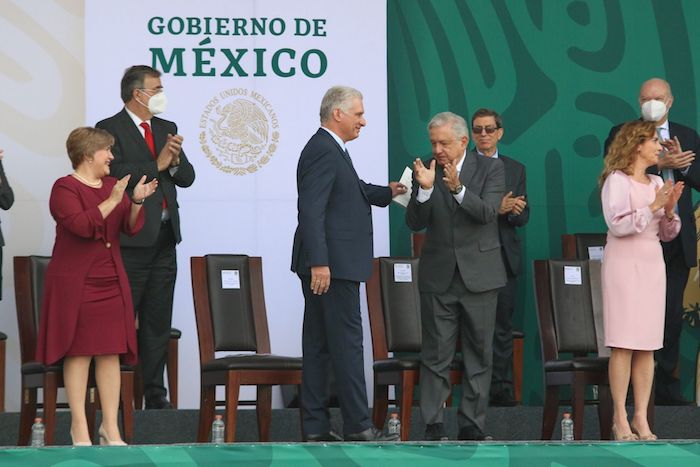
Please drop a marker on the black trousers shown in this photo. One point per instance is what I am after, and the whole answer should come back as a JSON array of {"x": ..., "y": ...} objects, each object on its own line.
[
  {"x": 152, "y": 272},
  {"x": 668, "y": 386},
  {"x": 502, "y": 376},
  {"x": 332, "y": 336}
]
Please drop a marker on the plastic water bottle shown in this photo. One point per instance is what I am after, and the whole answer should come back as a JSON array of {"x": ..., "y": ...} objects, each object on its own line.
[
  {"x": 567, "y": 427},
  {"x": 217, "y": 430},
  {"x": 394, "y": 425},
  {"x": 38, "y": 431}
]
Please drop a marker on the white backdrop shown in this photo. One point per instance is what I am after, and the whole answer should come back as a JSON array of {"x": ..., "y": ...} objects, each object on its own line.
[{"x": 222, "y": 212}]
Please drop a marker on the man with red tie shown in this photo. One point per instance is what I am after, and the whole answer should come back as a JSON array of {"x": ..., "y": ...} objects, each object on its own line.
[{"x": 148, "y": 145}]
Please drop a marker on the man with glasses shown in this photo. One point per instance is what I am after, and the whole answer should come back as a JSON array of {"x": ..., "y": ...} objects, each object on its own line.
[
  {"x": 456, "y": 197},
  {"x": 487, "y": 131},
  {"x": 147, "y": 145}
]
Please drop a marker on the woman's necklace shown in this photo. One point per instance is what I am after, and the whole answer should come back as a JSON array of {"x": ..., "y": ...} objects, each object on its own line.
[{"x": 96, "y": 184}]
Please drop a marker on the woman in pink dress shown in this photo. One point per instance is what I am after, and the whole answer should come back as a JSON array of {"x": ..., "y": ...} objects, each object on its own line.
[
  {"x": 86, "y": 310},
  {"x": 639, "y": 209}
]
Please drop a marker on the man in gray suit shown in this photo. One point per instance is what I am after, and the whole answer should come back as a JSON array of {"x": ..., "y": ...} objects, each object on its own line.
[
  {"x": 514, "y": 212},
  {"x": 456, "y": 197}
]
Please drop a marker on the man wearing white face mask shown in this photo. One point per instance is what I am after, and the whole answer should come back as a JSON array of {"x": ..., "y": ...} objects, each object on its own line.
[
  {"x": 148, "y": 145},
  {"x": 677, "y": 163}
]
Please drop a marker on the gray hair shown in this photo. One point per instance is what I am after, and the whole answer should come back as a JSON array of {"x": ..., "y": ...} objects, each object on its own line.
[
  {"x": 337, "y": 97},
  {"x": 458, "y": 124}
]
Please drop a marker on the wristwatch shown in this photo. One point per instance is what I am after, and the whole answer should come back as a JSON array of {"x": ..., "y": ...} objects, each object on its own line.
[{"x": 457, "y": 190}]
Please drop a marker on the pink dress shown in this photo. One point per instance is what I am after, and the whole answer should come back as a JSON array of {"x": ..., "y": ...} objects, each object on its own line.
[{"x": 633, "y": 271}]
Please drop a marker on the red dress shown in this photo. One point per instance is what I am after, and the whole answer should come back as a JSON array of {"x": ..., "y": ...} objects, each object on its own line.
[{"x": 86, "y": 307}]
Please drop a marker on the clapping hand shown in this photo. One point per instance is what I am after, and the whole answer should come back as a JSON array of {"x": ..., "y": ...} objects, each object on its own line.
[
  {"x": 170, "y": 154},
  {"x": 118, "y": 191},
  {"x": 143, "y": 190},
  {"x": 674, "y": 195},
  {"x": 451, "y": 176},
  {"x": 512, "y": 204},
  {"x": 667, "y": 196},
  {"x": 675, "y": 157},
  {"x": 425, "y": 176}
]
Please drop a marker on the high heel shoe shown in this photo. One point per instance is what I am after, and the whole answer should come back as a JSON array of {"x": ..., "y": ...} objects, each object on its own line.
[
  {"x": 617, "y": 436},
  {"x": 79, "y": 443},
  {"x": 647, "y": 437},
  {"x": 105, "y": 441}
]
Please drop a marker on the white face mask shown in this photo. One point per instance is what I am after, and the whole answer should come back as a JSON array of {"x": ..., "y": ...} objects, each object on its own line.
[
  {"x": 158, "y": 103},
  {"x": 653, "y": 110}
]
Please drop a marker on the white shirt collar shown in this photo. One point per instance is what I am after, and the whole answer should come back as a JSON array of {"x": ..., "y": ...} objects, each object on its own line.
[
  {"x": 461, "y": 162},
  {"x": 495, "y": 154},
  {"x": 336, "y": 138},
  {"x": 137, "y": 120}
]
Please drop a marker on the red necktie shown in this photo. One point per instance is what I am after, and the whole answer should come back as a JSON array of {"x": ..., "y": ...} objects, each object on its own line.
[{"x": 148, "y": 136}]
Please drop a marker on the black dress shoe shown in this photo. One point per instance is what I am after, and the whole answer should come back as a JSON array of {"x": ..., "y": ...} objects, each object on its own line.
[
  {"x": 472, "y": 433},
  {"x": 435, "y": 432},
  {"x": 502, "y": 399},
  {"x": 330, "y": 436},
  {"x": 158, "y": 403},
  {"x": 371, "y": 434}
]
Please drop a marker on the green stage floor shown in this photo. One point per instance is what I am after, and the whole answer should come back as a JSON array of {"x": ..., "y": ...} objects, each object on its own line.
[{"x": 676, "y": 453}]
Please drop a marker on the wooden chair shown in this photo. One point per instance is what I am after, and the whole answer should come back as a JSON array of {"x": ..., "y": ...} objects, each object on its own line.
[
  {"x": 29, "y": 285},
  {"x": 567, "y": 324},
  {"x": 171, "y": 365},
  {"x": 229, "y": 305},
  {"x": 576, "y": 246},
  {"x": 395, "y": 324},
  {"x": 417, "y": 241}
]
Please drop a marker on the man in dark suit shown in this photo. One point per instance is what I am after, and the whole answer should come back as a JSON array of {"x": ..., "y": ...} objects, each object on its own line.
[
  {"x": 680, "y": 254},
  {"x": 332, "y": 254},
  {"x": 456, "y": 197},
  {"x": 7, "y": 199},
  {"x": 514, "y": 212},
  {"x": 147, "y": 145}
]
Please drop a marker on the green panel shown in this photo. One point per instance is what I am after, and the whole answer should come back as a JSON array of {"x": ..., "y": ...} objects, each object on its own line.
[
  {"x": 561, "y": 73},
  {"x": 574, "y": 454}
]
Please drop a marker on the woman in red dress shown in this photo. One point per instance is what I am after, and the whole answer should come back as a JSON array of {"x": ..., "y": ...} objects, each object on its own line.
[{"x": 86, "y": 310}]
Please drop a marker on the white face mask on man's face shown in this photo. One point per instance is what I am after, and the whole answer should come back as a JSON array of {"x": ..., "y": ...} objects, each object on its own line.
[
  {"x": 158, "y": 103},
  {"x": 653, "y": 110}
]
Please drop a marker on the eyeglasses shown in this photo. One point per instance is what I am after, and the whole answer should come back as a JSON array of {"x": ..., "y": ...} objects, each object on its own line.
[
  {"x": 151, "y": 92},
  {"x": 477, "y": 130}
]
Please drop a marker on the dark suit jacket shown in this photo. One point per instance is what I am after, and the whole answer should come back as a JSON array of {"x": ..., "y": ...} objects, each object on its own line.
[
  {"x": 335, "y": 214},
  {"x": 689, "y": 141},
  {"x": 463, "y": 235},
  {"x": 7, "y": 197},
  {"x": 507, "y": 223},
  {"x": 132, "y": 156}
]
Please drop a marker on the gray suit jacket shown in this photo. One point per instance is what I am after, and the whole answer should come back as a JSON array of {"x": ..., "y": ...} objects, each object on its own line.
[{"x": 464, "y": 235}]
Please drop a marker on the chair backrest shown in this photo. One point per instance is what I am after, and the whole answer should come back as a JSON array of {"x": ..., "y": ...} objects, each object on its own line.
[
  {"x": 229, "y": 304},
  {"x": 29, "y": 290},
  {"x": 417, "y": 241},
  {"x": 393, "y": 302},
  {"x": 565, "y": 299},
  {"x": 578, "y": 245}
]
